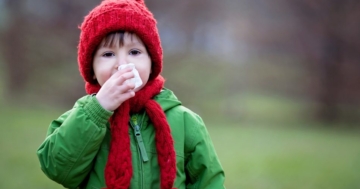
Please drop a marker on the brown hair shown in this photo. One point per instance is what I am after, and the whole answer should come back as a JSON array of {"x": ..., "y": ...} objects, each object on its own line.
[{"x": 112, "y": 38}]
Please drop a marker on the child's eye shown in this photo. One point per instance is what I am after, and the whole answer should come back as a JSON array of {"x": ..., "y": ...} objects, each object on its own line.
[
  {"x": 134, "y": 52},
  {"x": 108, "y": 54}
]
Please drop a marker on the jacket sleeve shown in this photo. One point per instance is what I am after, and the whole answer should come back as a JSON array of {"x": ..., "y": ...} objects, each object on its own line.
[
  {"x": 66, "y": 156},
  {"x": 202, "y": 167}
]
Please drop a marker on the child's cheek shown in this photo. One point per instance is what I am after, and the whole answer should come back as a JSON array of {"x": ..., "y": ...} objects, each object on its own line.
[{"x": 103, "y": 74}]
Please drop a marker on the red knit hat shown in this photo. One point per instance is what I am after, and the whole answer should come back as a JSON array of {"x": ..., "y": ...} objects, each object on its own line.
[
  {"x": 118, "y": 15},
  {"x": 130, "y": 16}
]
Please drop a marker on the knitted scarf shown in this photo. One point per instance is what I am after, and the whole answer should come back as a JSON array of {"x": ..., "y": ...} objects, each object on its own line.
[{"x": 118, "y": 171}]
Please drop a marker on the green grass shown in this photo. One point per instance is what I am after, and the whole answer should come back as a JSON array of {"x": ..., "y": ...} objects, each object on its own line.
[
  {"x": 266, "y": 158},
  {"x": 21, "y": 133},
  {"x": 253, "y": 156}
]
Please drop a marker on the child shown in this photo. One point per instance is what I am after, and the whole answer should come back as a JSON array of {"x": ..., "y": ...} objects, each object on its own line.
[{"x": 119, "y": 136}]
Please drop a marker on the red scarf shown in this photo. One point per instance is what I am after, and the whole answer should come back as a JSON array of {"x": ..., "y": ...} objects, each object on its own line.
[{"x": 118, "y": 171}]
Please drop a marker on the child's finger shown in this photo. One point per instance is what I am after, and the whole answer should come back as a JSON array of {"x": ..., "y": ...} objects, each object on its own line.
[
  {"x": 127, "y": 95},
  {"x": 120, "y": 72},
  {"x": 126, "y": 87},
  {"x": 122, "y": 78},
  {"x": 117, "y": 74}
]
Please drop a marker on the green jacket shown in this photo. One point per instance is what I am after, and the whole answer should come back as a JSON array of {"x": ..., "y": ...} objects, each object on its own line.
[{"x": 76, "y": 148}]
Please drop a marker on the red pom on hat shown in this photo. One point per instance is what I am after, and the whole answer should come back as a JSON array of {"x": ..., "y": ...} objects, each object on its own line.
[{"x": 118, "y": 15}]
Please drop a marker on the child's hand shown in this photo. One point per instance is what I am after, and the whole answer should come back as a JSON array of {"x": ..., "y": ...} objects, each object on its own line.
[{"x": 115, "y": 90}]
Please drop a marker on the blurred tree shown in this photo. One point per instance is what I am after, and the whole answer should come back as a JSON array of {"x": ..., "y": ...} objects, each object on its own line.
[
  {"x": 329, "y": 37},
  {"x": 190, "y": 24},
  {"x": 14, "y": 39},
  {"x": 277, "y": 46},
  {"x": 40, "y": 38}
]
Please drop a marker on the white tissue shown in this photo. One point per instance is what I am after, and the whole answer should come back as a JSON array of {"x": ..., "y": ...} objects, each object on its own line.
[{"x": 136, "y": 80}]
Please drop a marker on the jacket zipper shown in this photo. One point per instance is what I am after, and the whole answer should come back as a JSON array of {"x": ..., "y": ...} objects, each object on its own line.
[
  {"x": 134, "y": 122},
  {"x": 135, "y": 125}
]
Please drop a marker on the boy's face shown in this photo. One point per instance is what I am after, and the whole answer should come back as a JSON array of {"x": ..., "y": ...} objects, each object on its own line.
[{"x": 108, "y": 58}]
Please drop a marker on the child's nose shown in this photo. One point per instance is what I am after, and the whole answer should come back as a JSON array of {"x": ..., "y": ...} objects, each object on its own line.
[{"x": 121, "y": 62}]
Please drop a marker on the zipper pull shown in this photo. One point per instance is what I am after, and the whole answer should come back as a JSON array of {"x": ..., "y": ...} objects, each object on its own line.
[
  {"x": 139, "y": 139},
  {"x": 141, "y": 143}
]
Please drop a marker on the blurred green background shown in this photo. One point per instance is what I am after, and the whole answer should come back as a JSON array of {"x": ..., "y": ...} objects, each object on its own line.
[{"x": 276, "y": 82}]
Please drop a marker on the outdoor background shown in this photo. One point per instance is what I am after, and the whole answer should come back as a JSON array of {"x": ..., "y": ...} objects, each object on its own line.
[{"x": 276, "y": 82}]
